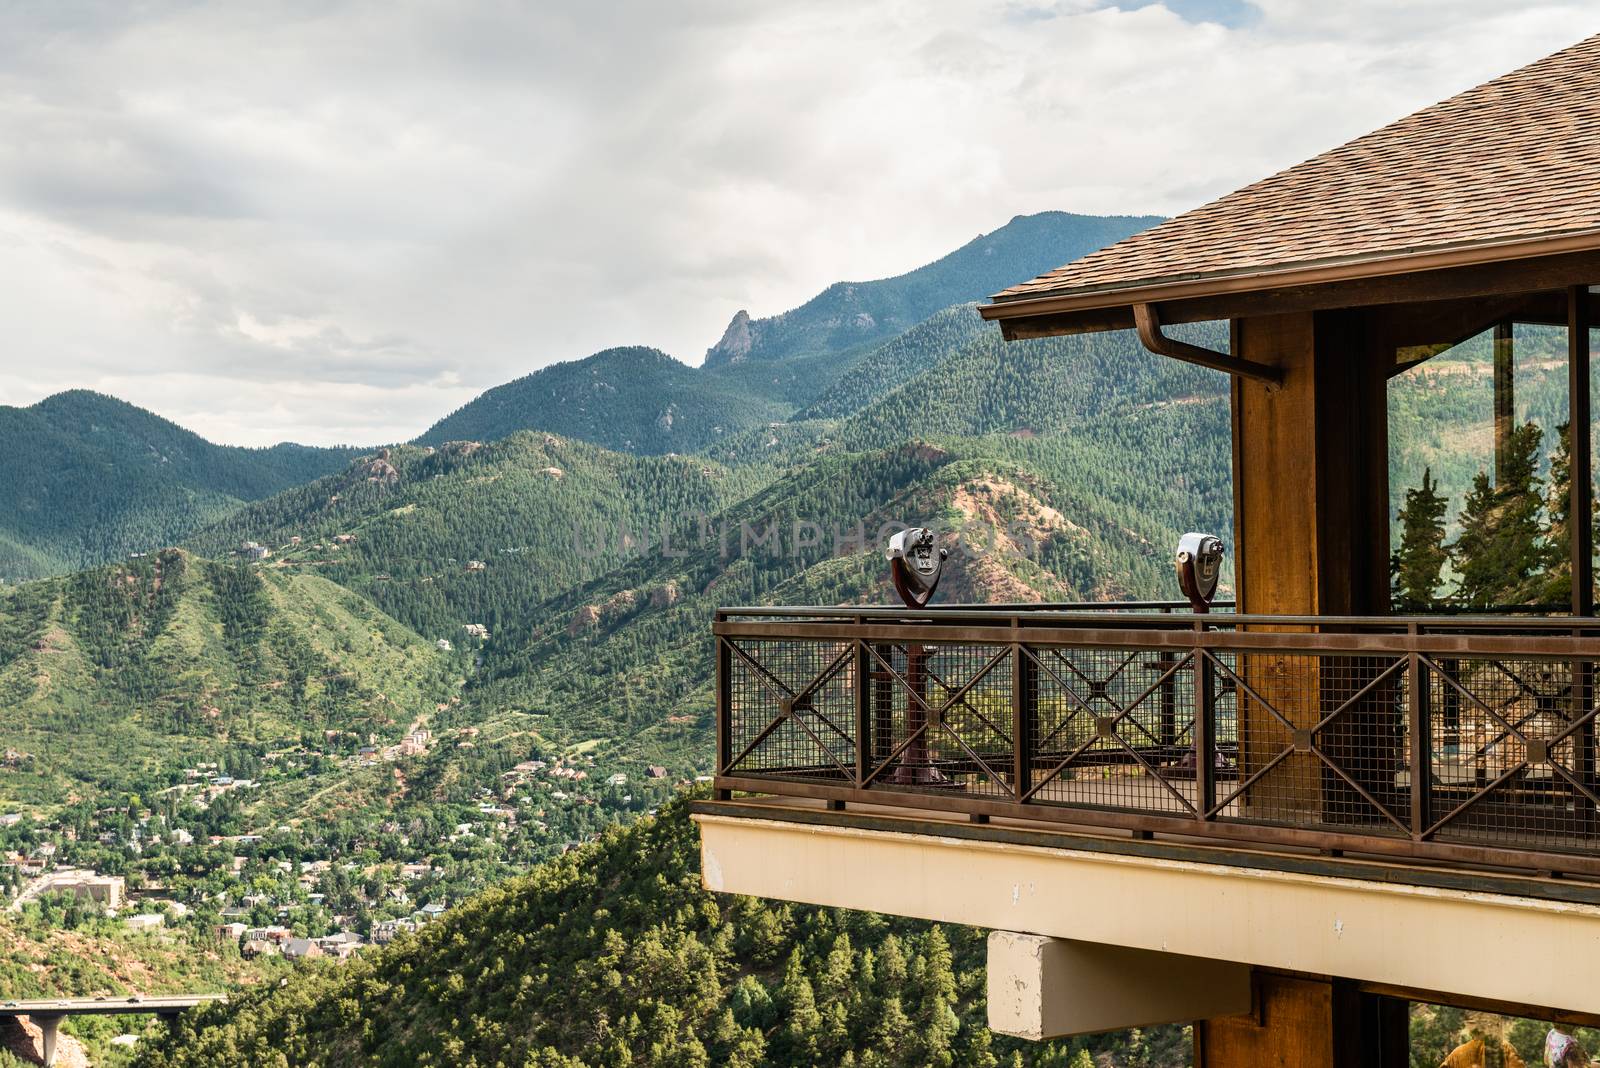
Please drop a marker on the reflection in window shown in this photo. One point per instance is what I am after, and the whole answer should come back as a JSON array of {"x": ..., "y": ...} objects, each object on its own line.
[{"x": 1478, "y": 469}]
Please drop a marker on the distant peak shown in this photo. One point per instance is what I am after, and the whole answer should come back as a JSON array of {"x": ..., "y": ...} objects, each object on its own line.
[
  {"x": 81, "y": 397},
  {"x": 736, "y": 342}
]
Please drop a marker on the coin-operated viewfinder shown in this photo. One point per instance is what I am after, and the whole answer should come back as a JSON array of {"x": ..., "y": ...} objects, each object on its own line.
[
  {"x": 915, "y": 564},
  {"x": 1199, "y": 565}
]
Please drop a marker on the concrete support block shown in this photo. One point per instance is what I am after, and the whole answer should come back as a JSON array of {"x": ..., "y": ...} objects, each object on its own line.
[
  {"x": 49, "y": 1030},
  {"x": 1043, "y": 987}
]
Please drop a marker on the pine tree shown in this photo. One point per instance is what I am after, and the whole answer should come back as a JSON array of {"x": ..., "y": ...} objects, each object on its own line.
[
  {"x": 1418, "y": 567},
  {"x": 1500, "y": 550},
  {"x": 837, "y": 982},
  {"x": 1556, "y": 587},
  {"x": 803, "y": 1024},
  {"x": 892, "y": 1035},
  {"x": 1473, "y": 547}
]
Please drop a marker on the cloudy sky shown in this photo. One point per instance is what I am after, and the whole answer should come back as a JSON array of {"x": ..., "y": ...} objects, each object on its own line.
[{"x": 334, "y": 222}]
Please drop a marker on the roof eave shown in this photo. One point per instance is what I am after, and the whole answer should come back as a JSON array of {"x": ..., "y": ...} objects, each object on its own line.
[{"x": 1082, "y": 299}]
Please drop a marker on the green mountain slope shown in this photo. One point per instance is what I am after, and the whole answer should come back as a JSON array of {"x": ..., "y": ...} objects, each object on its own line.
[
  {"x": 89, "y": 478},
  {"x": 1441, "y": 411},
  {"x": 634, "y": 399},
  {"x": 848, "y": 313},
  {"x": 1031, "y": 388},
  {"x": 624, "y": 662},
  {"x": 614, "y": 955},
  {"x": 897, "y": 361},
  {"x": 527, "y": 507},
  {"x": 116, "y": 674},
  {"x": 608, "y": 640}
]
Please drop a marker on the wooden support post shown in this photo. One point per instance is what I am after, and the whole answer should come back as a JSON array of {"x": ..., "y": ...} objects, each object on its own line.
[
  {"x": 1312, "y": 538},
  {"x": 1580, "y": 527},
  {"x": 1309, "y": 1023},
  {"x": 1505, "y": 401}
]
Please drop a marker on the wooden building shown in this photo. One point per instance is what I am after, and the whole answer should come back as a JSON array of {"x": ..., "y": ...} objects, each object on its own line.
[{"x": 1287, "y": 821}]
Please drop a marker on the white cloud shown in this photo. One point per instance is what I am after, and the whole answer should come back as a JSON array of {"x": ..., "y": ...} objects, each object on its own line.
[{"x": 336, "y": 222}]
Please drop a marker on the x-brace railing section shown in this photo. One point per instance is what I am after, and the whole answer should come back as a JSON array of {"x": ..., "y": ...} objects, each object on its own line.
[
  {"x": 1107, "y": 728},
  {"x": 934, "y": 709},
  {"x": 1306, "y": 740},
  {"x": 1535, "y": 751},
  {"x": 1544, "y": 704},
  {"x": 798, "y": 706}
]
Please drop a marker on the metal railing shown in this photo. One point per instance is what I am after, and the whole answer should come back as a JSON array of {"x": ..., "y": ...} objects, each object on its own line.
[{"x": 1449, "y": 738}]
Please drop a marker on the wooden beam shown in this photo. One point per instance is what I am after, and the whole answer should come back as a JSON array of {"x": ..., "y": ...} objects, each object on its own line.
[
  {"x": 1307, "y": 1022},
  {"x": 1061, "y": 326},
  {"x": 1528, "y": 276},
  {"x": 1418, "y": 332}
]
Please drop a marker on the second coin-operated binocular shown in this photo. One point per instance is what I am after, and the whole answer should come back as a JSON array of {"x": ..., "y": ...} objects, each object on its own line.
[
  {"x": 915, "y": 564},
  {"x": 1199, "y": 566}
]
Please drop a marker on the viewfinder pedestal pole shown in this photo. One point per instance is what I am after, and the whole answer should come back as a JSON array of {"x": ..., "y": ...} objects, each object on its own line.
[{"x": 915, "y": 566}]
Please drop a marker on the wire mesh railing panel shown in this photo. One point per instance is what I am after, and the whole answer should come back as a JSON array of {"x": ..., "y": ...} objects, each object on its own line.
[
  {"x": 969, "y": 691},
  {"x": 1115, "y": 728},
  {"x": 1321, "y": 741},
  {"x": 791, "y": 708},
  {"x": 1513, "y": 753}
]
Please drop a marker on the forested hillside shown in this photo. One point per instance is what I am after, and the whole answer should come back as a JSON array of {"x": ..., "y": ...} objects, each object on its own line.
[
  {"x": 633, "y": 399},
  {"x": 116, "y": 676},
  {"x": 897, "y": 361},
  {"x": 626, "y": 658},
  {"x": 614, "y": 955},
  {"x": 1050, "y": 386},
  {"x": 89, "y": 478},
  {"x": 406, "y": 526}
]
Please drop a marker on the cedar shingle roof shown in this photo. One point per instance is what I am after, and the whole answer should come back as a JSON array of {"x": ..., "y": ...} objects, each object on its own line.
[{"x": 1515, "y": 158}]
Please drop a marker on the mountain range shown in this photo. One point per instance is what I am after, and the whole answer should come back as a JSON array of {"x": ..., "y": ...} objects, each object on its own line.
[
  {"x": 92, "y": 478},
  {"x": 566, "y": 514},
  {"x": 530, "y": 583},
  {"x": 554, "y": 530}
]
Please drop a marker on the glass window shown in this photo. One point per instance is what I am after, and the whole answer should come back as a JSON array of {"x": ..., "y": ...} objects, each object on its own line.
[{"x": 1478, "y": 468}]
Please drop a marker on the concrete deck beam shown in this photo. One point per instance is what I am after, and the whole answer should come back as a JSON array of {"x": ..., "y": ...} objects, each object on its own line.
[
  {"x": 1042, "y": 987},
  {"x": 1484, "y": 946}
]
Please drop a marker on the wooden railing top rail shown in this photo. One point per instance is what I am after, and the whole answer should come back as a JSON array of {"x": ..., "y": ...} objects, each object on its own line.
[{"x": 1149, "y": 614}]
